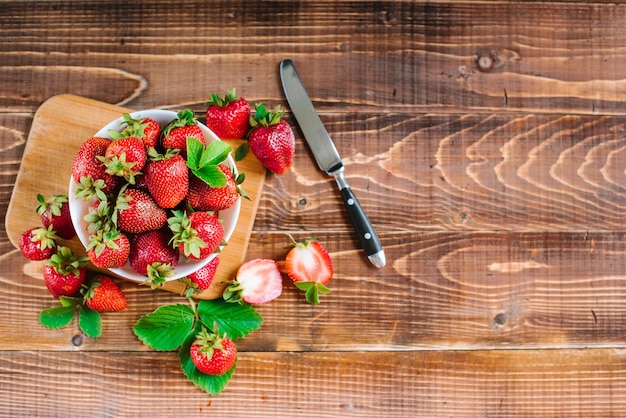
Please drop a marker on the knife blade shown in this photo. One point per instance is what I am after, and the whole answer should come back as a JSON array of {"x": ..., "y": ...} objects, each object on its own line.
[{"x": 328, "y": 159}]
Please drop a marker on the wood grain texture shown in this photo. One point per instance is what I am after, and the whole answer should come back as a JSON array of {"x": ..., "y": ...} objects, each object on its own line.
[{"x": 485, "y": 140}]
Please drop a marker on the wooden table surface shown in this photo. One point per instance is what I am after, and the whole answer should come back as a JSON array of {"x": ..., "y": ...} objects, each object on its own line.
[{"x": 486, "y": 141}]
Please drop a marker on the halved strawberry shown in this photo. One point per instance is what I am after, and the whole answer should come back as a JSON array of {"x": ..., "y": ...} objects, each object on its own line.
[
  {"x": 309, "y": 265},
  {"x": 213, "y": 354},
  {"x": 104, "y": 295},
  {"x": 257, "y": 281}
]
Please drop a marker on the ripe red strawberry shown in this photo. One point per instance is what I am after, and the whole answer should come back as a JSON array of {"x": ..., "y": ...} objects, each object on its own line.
[
  {"x": 228, "y": 116},
  {"x": 65, "y": 273},
  {"x": 201, "y": 279},
  {"x": 167, "y": 178},
  {"x": 257, "y": 281},
  {"x": 104, "y": 295},
  {"x": 178, "y": 130},
  {"x": 213, "y": 354},
  {"x": 108, "y": 249},
  {"x": 55, "y": 212},
  {"x": 38, "y": 243},
  {"x": 203, "y": 197},
  {"x": 146, "y": 129},
  {"x": 152, "y": 256},
  {"x": 125, "y": 157},
  {"x": 138, "y": 212},
  {"x": 197, "y": 235},
  {"x": 271, "y": 139},
  {"x": 89, "y": 172},
  {"x": 308, "y": 264}
]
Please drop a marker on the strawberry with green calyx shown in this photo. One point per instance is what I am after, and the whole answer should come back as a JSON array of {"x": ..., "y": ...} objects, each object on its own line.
[
  {"x": 88, "y": 171},
  {"x": 309, "y": 265},
  {"x": 167, "y": 177},
  {"x": 55, "y": 212},
  {"x": 196, "y": 235},
  {"x": 201, "y": 279},
  {"x": 64, "y": 273},
  {"x": 178, "y": 131},
  {"x": 100, "y": 217},
  {"x": 104, "y": 295},
  {"x": 125, "y": 157},
  {"x": 213, "y": 354},
  {"x": 152, "y": 256},
  {"x": 271, "y": 140},
  {"x": 136, "y": 211},
  {"x": 108, "y": 249},
  {"x": 38, "y": 243},
  {"x": 229, "y": 116},
  {"x": 257, "y": 281},
  {"x": 201, "y": 196},
  {"x": 146, "y": 129}
]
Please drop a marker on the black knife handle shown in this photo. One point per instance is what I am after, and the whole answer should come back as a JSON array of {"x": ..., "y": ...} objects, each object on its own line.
[{"x": 361, "y": 223}]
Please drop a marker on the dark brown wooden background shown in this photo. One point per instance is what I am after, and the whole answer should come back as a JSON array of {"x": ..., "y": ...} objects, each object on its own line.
[{"x": 498, "y": 192}]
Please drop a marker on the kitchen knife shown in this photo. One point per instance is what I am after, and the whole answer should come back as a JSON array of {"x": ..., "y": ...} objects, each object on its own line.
[{"x": 328, "y": 158}]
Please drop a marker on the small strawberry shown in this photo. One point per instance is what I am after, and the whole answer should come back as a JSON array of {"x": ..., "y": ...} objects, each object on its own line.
[
  {"x": 201, "y": 279},
  {"x": 65, "y": 273},
  {"x": 167, "y": 177},
  {"x": 257, "y": 281},
  {"x": 125, "y": 157},
  {"x": 89, "y": 172},
  {"x": 271, "y": 139},
  {"x": 138, "y": 212},
  {"x": 178, "y": 130},
  {"x": 308, "y": 264},
  {"x": 104, "y": 295},
  {"x": 213, "y": 354},
  {"x": 228, "y": 116},
  {"x": 108, "y": 249},
  {"x": 146, "y": 129},
  {"x": 152, "y": 256},
  {"x": 197, "y": 235},
  {"x": 55, "y": 212},
  {"x": 201, "y": 196},
  {"x": 38, "y": 243}
]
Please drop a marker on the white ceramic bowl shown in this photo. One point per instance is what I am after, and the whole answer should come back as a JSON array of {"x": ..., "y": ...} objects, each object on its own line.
[{"x": 79, "y": 208}]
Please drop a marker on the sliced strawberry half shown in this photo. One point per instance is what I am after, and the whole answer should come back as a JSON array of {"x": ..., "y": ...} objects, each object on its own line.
[
  {"x": 257, "y": 281},
  {"x": 309, "y": 265}
]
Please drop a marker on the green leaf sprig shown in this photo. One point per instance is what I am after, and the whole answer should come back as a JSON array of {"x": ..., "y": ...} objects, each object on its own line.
[
  {"x": 175, "y": 327},
  {"x": 89, "y": 321},
  {"x": 203, "y": 161}
]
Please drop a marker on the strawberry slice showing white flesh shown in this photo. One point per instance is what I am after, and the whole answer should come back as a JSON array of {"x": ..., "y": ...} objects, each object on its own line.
[{"x": 257, "y": 281}]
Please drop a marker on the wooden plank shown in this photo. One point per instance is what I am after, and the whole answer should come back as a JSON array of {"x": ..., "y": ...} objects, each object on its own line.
[
  {"x": 59, "y": 128},
  {"x": 462, "y": 290},
  {"x": 366, "y": 56},
  {"x": 589, "y": 383}
]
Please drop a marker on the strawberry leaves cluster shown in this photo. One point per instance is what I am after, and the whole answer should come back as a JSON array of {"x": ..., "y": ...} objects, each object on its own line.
[{"x": 204, "y": 335}]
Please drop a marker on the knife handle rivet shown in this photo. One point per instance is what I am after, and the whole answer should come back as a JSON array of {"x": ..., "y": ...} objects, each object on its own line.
[
  {"x": 367, "y": 235},
  {"x": 350, "y": 202}
]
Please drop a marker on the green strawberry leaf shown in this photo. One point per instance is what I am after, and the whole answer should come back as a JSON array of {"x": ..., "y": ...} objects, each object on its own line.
[
  {"x": 312, "y": 291},
  {"x": 211, "y": 175},
  {"x": 215, "y": 153},
  {"x": 57, "y": 317},
  {"x": 166, "y": 328},
  {"x": 195, "y": 149},
  {"x": 89, "y": 321},
  {"x": 242, "y": 151},
  {"x": 213, "y": 385},
  {"x": 233, "y": 319}
]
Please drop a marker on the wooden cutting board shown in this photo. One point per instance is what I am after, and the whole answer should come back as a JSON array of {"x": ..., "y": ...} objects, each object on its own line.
[{"x": 60, "y": 126}]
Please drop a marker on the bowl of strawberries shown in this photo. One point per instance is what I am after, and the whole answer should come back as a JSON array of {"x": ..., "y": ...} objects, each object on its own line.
[{"x": 154, "y": 195}]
